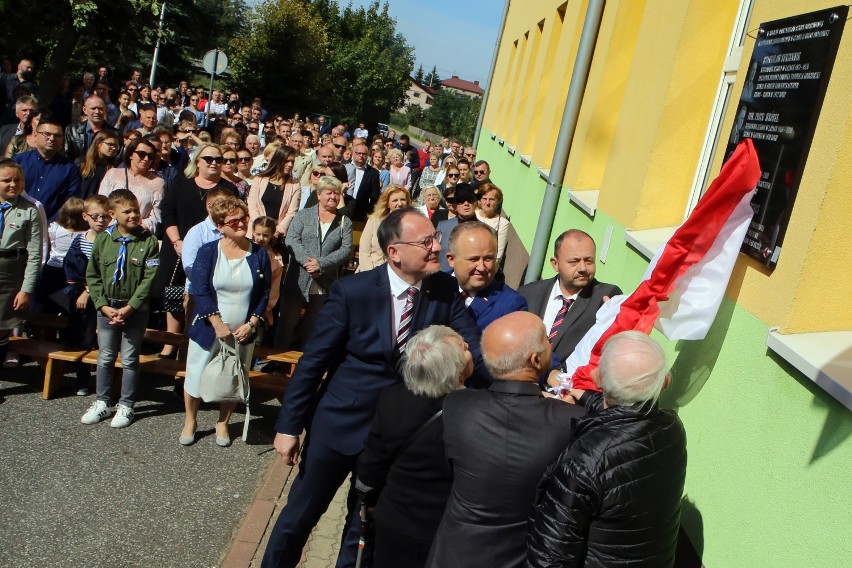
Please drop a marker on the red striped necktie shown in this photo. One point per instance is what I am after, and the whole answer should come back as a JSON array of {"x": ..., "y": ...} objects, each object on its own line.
[
  {"x": 560, "y": 317},
  {"x": 405, "y": 320}
]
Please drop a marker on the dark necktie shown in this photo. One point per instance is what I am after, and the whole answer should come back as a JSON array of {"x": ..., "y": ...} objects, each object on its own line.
[
  {"x": 121, "y": 263},
  {"x": 405, "y": 321},
  {"x": 5, "y": 206},
  {"x": 560, "y": 317}
]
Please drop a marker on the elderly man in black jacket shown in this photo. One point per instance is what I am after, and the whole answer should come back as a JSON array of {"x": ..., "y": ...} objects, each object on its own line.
[{"x": 613, "y": 496}]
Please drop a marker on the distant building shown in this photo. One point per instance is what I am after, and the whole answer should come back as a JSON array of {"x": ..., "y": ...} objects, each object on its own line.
[
  {"x": 418, "y": 94},
  {"x": 456, "y": 85}
]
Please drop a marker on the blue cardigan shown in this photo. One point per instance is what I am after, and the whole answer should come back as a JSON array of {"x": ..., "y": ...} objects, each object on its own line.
[{"x": 206, "y": 303}]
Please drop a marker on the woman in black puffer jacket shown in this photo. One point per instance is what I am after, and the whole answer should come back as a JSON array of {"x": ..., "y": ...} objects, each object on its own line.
[{"x": 613, "y": 496}]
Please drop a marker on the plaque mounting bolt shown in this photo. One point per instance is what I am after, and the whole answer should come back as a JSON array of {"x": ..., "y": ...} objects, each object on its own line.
[{"x": 833, "y": 18}]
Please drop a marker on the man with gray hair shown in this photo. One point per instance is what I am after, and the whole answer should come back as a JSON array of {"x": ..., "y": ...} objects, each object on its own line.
[
  {"x": 498, "y": 443},
  {"x": 402, "y": 470},
  {"x": 613, "y": 497}
]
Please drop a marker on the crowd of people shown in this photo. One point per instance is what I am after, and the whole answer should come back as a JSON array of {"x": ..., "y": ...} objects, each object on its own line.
[{"x": 424, "y": 377}]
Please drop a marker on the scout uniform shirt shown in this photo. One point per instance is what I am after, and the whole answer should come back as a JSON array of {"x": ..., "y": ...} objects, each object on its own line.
[
  {"x": 140, "y": 269},
  {"x": 22, "y": 230}
]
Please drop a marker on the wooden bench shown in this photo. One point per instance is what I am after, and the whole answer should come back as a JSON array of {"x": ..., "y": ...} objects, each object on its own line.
[
  {"x": 275, "y": 382},
  {"x": 152, "y": 363},
  {"x": 44, "y": 348}
]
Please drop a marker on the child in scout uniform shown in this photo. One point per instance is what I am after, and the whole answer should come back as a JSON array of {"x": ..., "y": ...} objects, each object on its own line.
[
  {"x": 20, "y": 250},
  {"x": 120, "y": 274}
]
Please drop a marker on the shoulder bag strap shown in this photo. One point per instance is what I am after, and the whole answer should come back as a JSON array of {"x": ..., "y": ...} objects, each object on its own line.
[{"x": 417, "y": 432}]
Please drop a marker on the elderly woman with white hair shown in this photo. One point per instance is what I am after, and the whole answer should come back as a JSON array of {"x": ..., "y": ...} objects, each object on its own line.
[{"x": 403, "y": 470}]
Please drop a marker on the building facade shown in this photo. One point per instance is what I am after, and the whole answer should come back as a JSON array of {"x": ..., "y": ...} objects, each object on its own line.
[
  {"x": 417, "y": 95},
  {"x": 765, "y": 398}
]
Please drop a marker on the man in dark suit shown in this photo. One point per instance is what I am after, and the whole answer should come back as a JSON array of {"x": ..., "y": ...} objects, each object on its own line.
[
  {"x": 362, "y": 328},
  {"x": 367, "y": 185},
  {"x": 473, "y": 257},
  {"x": 499, "y": 441},
  {"x": 568, "y": 302}
]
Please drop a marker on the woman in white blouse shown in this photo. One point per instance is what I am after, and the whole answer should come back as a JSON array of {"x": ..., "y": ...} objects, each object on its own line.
[{"x": 490, "y": 199}]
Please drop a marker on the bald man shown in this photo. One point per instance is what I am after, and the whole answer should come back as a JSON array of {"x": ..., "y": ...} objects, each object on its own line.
[
  {"x": 613, "y": 498},
  {"x": 499, "y": 442}
]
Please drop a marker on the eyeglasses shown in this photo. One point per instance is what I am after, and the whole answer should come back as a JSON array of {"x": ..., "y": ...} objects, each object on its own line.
[
  {"x": 253, "y": 130},
  {"x": 190, "y": 131},
  {"x": 243, "y": 160},
  {"x": 230, "y": 160},
  {"x": 144, "y": 155},
  {"x": 460, "y": 200},
  {"x": 453, "y": 175},
  {"x": 426, "y": 243},
  {"x": 473, "y": 155},
  {"x": 98, "y": 216},
  {"x": 110, "y": 144},
  {"x": 340, "y": 146},
  {"x": 211, "y": 159},
  {"x": 316, "y": 173},
  {"x": 50, "y": 135},
  {"x": 234, "y": 223},
  {"x": 360, "y": 153},
  {"x": 132, "y": 90},
  {"x": 480, "y": 172}
]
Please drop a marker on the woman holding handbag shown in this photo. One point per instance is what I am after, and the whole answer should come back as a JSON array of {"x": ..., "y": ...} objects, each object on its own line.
[
  {"x": 230, "y": 286},
  {"x": 403, "y": 471}
]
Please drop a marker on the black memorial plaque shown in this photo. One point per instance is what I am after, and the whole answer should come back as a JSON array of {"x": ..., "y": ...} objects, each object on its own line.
[{"x": 779, "y": 107}]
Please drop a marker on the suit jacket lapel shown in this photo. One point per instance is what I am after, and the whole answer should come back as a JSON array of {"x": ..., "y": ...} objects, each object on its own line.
[
  {"x": 384, "y": 310},
  {"x": 580, "y": 305}
]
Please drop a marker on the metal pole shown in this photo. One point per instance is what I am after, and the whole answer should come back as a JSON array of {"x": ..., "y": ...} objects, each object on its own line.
[
  {"x": 156, "y": 57},
  {"x": 576, "y": 89},
  {"x": 490, "y": 76},
  {"x": 212, "y": 76}
]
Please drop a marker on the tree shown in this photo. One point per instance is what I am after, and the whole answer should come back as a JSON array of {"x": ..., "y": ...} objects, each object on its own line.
[
  {"x": 370, "y": 67},
  {"x": 432, "y": 79},
  {"x": 351, "y": 63},
  {"x": 280, "y": 53},
  {"x": 74, "y": 36},
  {"x": 453, "y": 113},
  {"x": 419, "y": 75}
]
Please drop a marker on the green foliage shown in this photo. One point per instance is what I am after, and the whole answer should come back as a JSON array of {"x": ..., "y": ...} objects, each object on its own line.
[
  {"x": 348, "y": 63},
  {"x": 432, "y": 79},
  {"x": 74, "y": 36},
  {"x": 419, "y": 75},
  {"x": 451, "y": 114},
  {"x": 277, "y": 54}
]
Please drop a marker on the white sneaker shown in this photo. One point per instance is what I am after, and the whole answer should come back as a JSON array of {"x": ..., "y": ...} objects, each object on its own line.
[
  {"x": 97, "y": 412},
  {"x": 123, "y": 416}
]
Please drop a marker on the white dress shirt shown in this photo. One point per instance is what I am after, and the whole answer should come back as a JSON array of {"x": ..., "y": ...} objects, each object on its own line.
[
  {"x": 554, "y": 304},
  {"x": 399, "y": 295}
]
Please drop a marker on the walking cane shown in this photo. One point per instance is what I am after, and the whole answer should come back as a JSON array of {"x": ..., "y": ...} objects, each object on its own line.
[{"x": 362, "y": 535}]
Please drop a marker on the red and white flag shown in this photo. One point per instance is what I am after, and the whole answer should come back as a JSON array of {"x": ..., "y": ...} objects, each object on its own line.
[{"x": 683, "y": 287}]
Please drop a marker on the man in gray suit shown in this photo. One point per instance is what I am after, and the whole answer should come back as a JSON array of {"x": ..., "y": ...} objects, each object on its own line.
[
  {"x": 498, "y": 443},
  {"x": 568, "y": 302}
]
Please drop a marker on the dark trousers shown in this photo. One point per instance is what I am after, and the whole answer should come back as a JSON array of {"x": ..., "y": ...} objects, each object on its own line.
[
  {"x": 397, "y": 550},
  {"x": 291, "y": 305},
  {"x": 321, "y": 473}
]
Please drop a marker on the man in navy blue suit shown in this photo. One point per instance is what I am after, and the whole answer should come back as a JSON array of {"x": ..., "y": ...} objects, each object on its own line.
[
  {"x": 472, "y": 255},
  {"x": 357, "y": 341}
]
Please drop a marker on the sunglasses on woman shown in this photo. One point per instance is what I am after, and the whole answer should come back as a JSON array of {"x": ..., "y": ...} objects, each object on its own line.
[
  {"x": 211, "y": 159},
  {"x": 235, "y": 223},
  {"x": 144, "y": 155},
  {"x": 230, "y": 160}
]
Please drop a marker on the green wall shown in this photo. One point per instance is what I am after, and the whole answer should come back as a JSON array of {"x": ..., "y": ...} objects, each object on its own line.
[{"x": 768, "y": 480}]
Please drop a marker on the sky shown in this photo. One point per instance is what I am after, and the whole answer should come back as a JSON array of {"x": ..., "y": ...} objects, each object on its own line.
[{"x": 457, "y": 36}]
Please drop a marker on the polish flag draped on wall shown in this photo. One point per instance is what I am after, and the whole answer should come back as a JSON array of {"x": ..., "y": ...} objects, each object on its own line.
[{"x": 682, "y": 289}]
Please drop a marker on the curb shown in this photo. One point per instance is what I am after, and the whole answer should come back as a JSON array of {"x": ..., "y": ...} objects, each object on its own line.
[{"x": 246, "y": 542}]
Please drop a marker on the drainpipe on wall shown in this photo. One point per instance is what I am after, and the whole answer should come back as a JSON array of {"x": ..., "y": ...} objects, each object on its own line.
[
  {"x": 576, "y": 90},
  {"x": 490, "y": 76}
]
